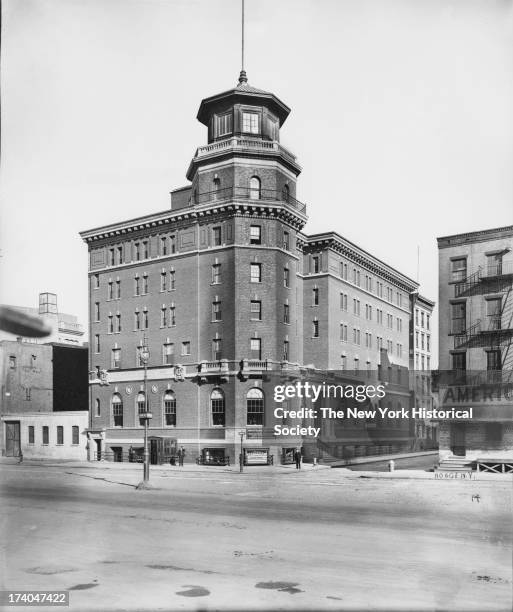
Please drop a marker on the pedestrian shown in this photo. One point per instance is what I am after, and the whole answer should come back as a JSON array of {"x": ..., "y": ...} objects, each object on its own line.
[
  {"x": 181, "y": 455},
  {"x": 297, "y": 458}
]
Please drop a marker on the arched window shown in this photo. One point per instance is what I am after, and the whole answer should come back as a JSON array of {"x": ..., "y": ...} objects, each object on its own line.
[
  {"x": 217, "y": 407},
  {"x": 141, "y": 406},
  {"x": 286, "y": 193},
  {"x": 97, "y": 407},
  {"x": 169, "y": 409},
  {"x": 117, "y": 410},
  {"x": 216, "y": 187},
  {"x": 255, "y": 407},
  {"x": 254, "y": 188}
]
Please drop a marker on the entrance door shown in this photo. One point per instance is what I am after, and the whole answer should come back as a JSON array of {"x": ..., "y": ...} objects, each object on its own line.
[
  {"x": 154, "y": 451},
  {"x": 98, "y": 449},
  {"x": 458, "y": 439},
  {"x": 12, "y": 439}
]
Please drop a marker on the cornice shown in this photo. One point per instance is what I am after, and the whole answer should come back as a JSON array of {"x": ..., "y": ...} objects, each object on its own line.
[
  {"x": 359, "y": 256},
  {"x": 195, "y": 213},
  {"x": 479, "y": 236}
]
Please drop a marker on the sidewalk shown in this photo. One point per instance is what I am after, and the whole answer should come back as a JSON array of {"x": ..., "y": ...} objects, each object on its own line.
[{"x": 162, "y": 469}]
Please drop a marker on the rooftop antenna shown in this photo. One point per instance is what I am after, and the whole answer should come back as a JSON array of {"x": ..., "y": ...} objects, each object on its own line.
[{"x": 242, "y": 77}]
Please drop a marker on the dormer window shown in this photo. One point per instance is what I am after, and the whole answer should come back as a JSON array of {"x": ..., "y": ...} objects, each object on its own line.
[
  {"x": 223, "y": 124},
  {"x": 250, "y": 123}
]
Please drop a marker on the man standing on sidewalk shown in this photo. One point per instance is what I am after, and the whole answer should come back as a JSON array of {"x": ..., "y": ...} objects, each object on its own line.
[
  {"x": 297, "y": 458},
  {"x": 181, "y": 455}
]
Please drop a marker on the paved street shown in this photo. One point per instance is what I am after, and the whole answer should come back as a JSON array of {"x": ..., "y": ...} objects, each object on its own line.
[{"x": 215, "y": 539}]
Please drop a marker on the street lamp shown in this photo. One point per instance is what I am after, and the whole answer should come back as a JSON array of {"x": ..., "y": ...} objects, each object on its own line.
[
  {"x": 144, "y": 356},
  {"x": 241, "y": 460}
]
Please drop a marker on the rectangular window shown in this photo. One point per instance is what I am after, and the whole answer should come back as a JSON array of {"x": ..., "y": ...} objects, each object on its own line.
[
  {"x": 163, "y": 245},
  {"x": 216, "y": 274},
  {"x": 459, "y": 361},
  {"x": 250, "y": 123},
  {"x": 255, "y": 234},
  {"x": 458, "y": 317},
  {"x": 60, "y": 434},
  {"x": 216, "y": 236},
  {"x": 74, "y": 434},
  {"x": 315, "y": 329},
  {"x": 286, "y": 277},
  {"x": 45, "y": 434},
  {"x": 356, "y": 307},
  {"x": 216, "y": 349},
  {"x": 427, "y": 321},
  {"x": 286, "y": 314},
  {"x": 286, "y": 241},
  {"x": 356, "y": 336},
  {"x": 137, "y": 320},
  {"x": 112, "y": 259},
  {"x": 116, "y": 358},
  {"x": 256, "y": 273},
  {"x": 146, "y": 249},
  {"x": 493, "y": 360},
  {"x": 120, "y": 255},
  {"x": 428, "y": 343},
  {"x": 343, "y": 332},
  {"x": 118, "y": 290},
  {"x": 493, "y": 313},
  {"x": 96, "y": 281},
  {"x": 315, "y": 296},
  {"x": 316, "y": 265},
  {"x": 118, "y": 324},
  {"x": 285, "y": 350},
  {"x": 97, "y": 311},
  {"x": 110, "y": 290},
  {"x": 422, "y": 341},
  {"x": 170, "y": 410},
  {"x": 168, "y": 353},
  {"x": 216, "y": 311},
  {"x": 223, "y": 124},
  {"x": 255, "y": 346},
  {"x": 145, "y": 284},
  {"x": 31, "y": 434},
  {"x": 255, "y": 310},
  {"x": 422, "y": 319},
  {"x": 343, "y": 301},
  {"x": 111, "y": 325},
  {"x": 172, "y": 280},
  {"x": 172, "y": 244},
  {"x": 145, "y": 320},
  {"x": 163, "y": 281},
  {"x": 97, "y": 343},
  {"x": 458, "y": 269},
  {"x": 137, "y": 251},
  {"x": 163, "y": 317},
  {"x": 137, "y": 286},
  {"x": 186, "y": 348},
  {"x": 172, "y": 316}
]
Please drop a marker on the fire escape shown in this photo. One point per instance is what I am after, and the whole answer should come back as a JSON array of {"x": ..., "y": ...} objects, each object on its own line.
[{"x": 495, "y": 330}]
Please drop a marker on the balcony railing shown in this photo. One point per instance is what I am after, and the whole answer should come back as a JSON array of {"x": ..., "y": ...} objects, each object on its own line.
[
  {"x": 245, "y": 193},
  {"x": 497, "y": 270},
  {"x": 239, "y": 142}
]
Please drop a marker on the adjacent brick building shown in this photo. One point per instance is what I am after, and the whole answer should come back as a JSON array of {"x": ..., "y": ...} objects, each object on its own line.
[
  {"x": 227, "y": 292},
  {"x": 476, "y": 354},
  {"x": 44, "y": 400}
]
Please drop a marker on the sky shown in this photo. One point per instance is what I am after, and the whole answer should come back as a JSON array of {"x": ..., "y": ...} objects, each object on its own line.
[{"x": 402, "y": 119}]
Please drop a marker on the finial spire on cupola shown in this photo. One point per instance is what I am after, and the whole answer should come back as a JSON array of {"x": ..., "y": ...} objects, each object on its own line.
[{"x": 242, "y": 76}]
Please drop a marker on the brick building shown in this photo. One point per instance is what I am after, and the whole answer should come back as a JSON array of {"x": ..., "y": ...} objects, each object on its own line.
[
  {"x": 227, "y": 292},
  {"x": 426, "y": 429},
  {"x": 476, "y": 355},
  {"x": 44, "y": 399}
]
